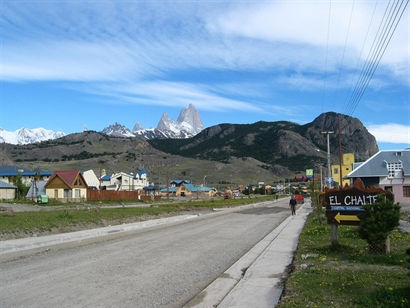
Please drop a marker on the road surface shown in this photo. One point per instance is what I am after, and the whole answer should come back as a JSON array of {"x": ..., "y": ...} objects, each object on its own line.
[{"x": 159, "y": 268}]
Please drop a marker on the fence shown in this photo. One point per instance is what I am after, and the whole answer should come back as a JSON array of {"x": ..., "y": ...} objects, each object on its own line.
[{"x": 110, "y": 195}]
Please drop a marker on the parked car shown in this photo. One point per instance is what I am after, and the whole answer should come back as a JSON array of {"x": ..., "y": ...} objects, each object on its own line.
[{"x": 299, "y": 198}]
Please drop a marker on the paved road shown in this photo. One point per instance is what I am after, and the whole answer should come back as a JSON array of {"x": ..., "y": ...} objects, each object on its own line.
[{"x": 160, "y": 268}]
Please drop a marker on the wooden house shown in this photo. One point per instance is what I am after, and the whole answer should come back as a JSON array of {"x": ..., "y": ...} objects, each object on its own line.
[{"x": 67, "y": 185}]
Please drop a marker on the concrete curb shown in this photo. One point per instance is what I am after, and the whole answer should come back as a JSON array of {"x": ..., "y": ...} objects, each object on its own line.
[
  {"x": 13, "y": 249},
  {"x": 256, "y": 280}
]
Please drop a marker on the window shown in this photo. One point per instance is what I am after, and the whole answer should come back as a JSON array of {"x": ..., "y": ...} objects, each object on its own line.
[
  {"x": 394, "y": 169},
  {"x": 335, "y": 171},
  {"x": 388, "y": 188},
  {"x": 406, "y": 191}
]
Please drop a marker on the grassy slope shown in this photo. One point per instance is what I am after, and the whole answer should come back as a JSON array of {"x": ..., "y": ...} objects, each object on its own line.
[{"x": 347, "y": 275}]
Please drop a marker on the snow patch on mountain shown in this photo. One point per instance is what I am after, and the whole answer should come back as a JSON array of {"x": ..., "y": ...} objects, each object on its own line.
[
  {"x": 117, "y": 130},
  {"x": 188, "y": 125},
  {"x": 26, "y": 136}
]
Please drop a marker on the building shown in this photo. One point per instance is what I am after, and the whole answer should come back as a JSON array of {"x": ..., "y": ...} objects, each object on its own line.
[
  {"x": 8, "y": 173},
  {"x": 125, "y": 181},
  {"x": 347, "y": 167},
  {"x": 189, "y": 189},
  {"x": 91, "y": 179},
  {"x": 7, "y": 191},
  {"x": 67, "y": 185},
  {"x": 389, "y": 170}
]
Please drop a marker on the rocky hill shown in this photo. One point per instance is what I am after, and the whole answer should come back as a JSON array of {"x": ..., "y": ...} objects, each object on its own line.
[{"x": 287, "y": 144}]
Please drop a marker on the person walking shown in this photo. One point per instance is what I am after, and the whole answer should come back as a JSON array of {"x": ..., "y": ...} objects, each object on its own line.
[{"x": 292, "y": 204}]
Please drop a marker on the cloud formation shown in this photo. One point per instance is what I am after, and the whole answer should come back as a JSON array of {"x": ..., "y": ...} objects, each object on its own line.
[{"x": 391, "y": 133}]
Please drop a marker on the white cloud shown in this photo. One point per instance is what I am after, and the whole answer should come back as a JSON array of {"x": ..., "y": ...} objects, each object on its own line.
[
  {"x": 306, "y": 23},
  {"x": 391, "y": 133},
  {"x": 170, "y": 94}
]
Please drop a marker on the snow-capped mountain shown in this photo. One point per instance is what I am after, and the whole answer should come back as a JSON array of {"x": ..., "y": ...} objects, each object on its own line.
[
  {"x": 188, "y": 125},
  {"x": 25, "y": 135},
  {"x": 190, "y": 120},
  {"x": 117, "y": 130}
]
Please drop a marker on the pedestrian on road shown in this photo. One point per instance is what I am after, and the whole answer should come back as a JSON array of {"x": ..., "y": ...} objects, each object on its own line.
[{"x": 292, "y": 204}]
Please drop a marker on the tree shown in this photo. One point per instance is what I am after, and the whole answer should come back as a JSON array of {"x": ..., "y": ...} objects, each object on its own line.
[
  {"x": 21, "y": 188},
  {"x": 380, "y": 219}
]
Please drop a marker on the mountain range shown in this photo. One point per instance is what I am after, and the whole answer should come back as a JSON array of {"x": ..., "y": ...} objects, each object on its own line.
[
  {"x": 187, "y": 125},
  {"x": 224, "y": 153},
  {"x": 26, "y": 136}
]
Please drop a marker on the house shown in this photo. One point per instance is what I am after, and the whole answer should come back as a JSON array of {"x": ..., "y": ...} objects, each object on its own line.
[
  {"x": 389, "y": 170},
  {"x": 91, "y": 179},
  {"x": 347, "y": 167},
  {"x": 189, "y": 189},
  {"x": 7, "y": 191},
  {"x": 8, "y": 173},
  {"x": 36, "y": 189},
  {"x": 125, "y": 181},
  {"x": 67, "y": 185}
]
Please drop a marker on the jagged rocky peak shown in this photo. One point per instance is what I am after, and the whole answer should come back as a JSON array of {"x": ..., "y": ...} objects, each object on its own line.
[
  {"x": 165, "y": 123},
  {"x": 188, "y": 125},
  {"x": 137, "y": 127},
  {"x": 191, "y": 117},
  {"x": 117, "y": 130}
]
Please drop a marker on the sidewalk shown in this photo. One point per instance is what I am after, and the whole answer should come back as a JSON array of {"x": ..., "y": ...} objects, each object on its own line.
[{"x": 256, "y": 280}]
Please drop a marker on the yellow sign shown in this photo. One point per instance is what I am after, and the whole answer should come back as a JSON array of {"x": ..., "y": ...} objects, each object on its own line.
[{"x": 339, "y": 217}]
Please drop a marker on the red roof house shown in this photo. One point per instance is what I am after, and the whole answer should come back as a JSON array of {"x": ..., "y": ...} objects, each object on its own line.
[{"x": 67, "y": 185}]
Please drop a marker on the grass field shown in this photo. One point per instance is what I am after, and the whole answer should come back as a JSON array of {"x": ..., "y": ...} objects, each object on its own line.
[{"x": 346, "y": 275}]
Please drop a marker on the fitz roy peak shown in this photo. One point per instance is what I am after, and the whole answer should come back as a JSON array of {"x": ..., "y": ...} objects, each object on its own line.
[{"x": 188, "y": 125}]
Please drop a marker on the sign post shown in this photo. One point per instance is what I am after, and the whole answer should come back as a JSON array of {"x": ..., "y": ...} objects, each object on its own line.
[{"x": 345, "y": 206}]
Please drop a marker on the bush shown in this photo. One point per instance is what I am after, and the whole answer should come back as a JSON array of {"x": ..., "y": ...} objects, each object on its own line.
[{"x": 380, "y": 219}]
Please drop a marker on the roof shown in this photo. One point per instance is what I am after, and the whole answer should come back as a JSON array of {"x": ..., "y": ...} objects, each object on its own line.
[
  {"x": 143, "y": 171},
  {"x": 194, "y": 188},
  {"x": 375, "y": 166},
  {"x": 68, "y": 176},
  {"x": 4, "y": 185},
  {"x": 106, "y": 177},
  {"x": 14, "y": 171},
  {"x": 39, "y": 190},
  {"x": 179, "y": 182},
  {"x": 169, "y": 189}
]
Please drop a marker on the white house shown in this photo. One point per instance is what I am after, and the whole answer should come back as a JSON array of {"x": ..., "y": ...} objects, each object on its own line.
[
  {"x": 125, "y": 181},
  {"x": 91, "y": 179}
]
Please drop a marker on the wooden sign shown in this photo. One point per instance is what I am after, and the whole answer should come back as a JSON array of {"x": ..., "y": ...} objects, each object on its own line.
[{"x": 345, "y": 206}]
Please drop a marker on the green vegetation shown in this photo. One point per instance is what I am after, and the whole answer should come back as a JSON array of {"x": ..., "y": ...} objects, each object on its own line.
[
  {"x": 381, "y": 218},
  {"x": 347, "y": 275}
]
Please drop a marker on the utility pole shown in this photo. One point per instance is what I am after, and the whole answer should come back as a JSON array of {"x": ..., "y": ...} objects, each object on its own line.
[{"x": 328, "y": 152}]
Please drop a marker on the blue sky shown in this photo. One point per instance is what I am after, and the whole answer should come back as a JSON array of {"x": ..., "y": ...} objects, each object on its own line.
[{"x": 66, "y": 64}]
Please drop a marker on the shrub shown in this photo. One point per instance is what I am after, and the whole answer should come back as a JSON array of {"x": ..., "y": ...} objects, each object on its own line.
[{"x": 380, "y": 219}]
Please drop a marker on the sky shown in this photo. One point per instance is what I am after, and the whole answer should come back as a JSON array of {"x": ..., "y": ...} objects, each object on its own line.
[{"x": 69, "y": 64}]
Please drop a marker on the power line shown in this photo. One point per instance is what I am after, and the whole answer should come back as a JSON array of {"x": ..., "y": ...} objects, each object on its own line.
[
  {"x": 375, "y": 54},
  {"x": 367, "y": 62}
]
